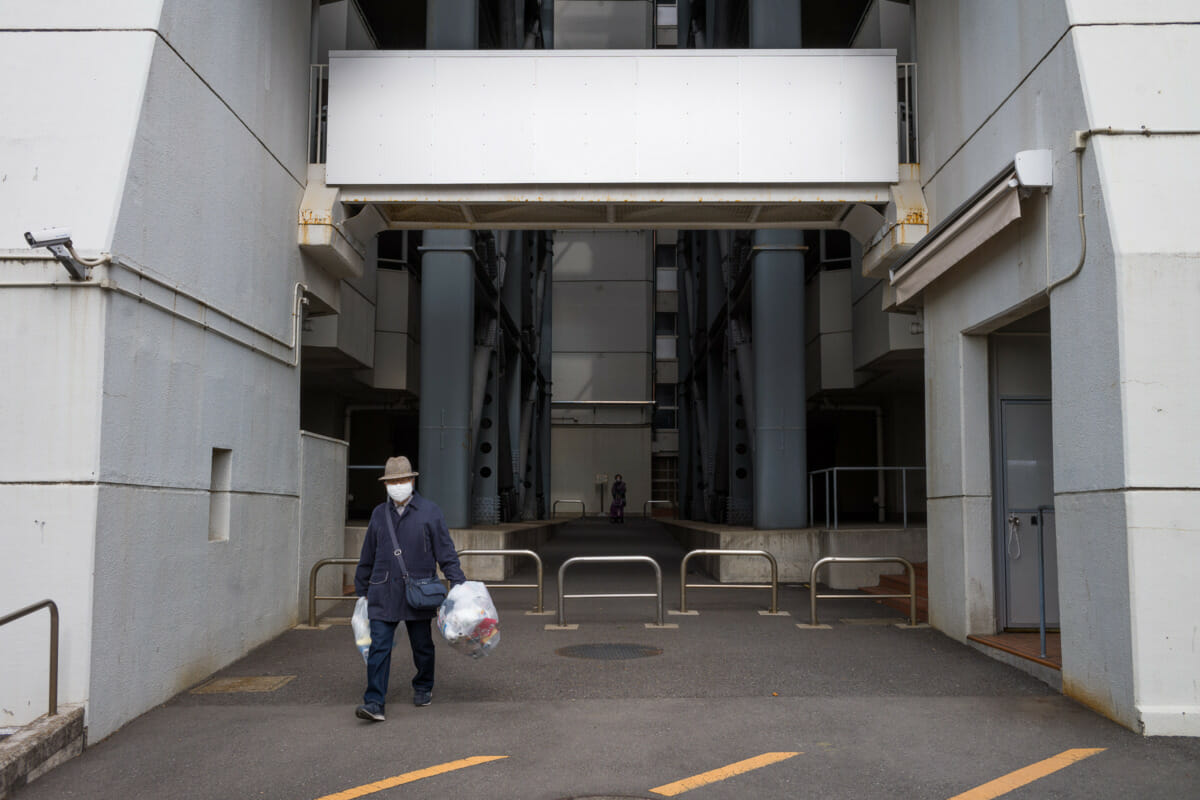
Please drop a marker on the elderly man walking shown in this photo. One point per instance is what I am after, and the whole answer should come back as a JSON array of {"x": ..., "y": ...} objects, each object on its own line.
[{"x": 421, "y": 536}]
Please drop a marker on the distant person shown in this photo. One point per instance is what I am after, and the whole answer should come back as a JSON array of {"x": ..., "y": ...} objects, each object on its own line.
[
  {"x": 616, "y": 512},
  {"x": 423, "y": 539}
]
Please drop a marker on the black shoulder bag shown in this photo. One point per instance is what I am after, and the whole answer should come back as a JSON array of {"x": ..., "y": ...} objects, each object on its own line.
[{"x": 424, "y": 594}]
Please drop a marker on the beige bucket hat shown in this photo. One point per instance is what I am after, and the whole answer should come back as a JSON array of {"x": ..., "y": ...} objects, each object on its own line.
[{"x": 398, "y": 467}]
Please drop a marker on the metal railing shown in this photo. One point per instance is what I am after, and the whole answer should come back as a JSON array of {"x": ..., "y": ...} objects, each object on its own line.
[
  {"x": 835, "y": 470},
  {"x": 773, "y": 585},
  {"x": 912, "y": 584},
  {"x": 313, "y": 597},
  {"x": 537, "y": 560},
  {"x": 646, "y": 505},
  {"x": 562, "y": 617},
  {"x": 582, "y": 507},
  {"x": 50, "y": 604}
]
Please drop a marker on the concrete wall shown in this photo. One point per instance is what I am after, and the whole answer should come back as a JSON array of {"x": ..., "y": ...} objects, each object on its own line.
[
  {"x": 322, "y": 514},
  {"x": 194, "y": 177},
  {"x": 996, "y": 79}
]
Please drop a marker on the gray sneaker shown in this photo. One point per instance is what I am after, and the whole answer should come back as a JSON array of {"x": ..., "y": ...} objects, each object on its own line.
[
  {"x": 422, "y": 698},
  {"x": 370, "y": 712}
]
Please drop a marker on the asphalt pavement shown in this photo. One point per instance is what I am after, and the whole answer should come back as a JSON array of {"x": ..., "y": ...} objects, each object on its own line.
[{"x": 730, "y": 704}]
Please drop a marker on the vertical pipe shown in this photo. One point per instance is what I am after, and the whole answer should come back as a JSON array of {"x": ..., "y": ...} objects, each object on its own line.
[
  {"x": 714, "y": 297},
  {"x": 683, "y": 22},
  {"x": 547, "y": 19},
  {"x": 780, "y": 458},
  {"x": 451, "y": 24},
  {"x": 545, "y": 366},
  {"x": 775, "y": 24},
  {"x": 683, "y": 397},
  {"x": 448, "y": 318},
  {"x": 54, "y": 658},
  {"x": 447, "y": 325}
]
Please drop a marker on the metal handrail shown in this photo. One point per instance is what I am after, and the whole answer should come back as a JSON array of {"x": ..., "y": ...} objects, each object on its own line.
[
  {"x": 53, "y": 644},
  {"x": 773, "y": 585},
  {"x": 562, "y": 617},
  {"x": 537, "y": 559},
  {"x": 835, "y": 470},
  {"x": 313, "y": 597},
  {"x": 649, "y": 503},
  {"x": 582, "y": 507},
  {"x": 912, "y": 584}
]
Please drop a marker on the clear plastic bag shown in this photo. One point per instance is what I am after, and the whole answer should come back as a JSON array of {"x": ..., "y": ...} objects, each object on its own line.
[
  {"x": 362, "y": 627},
  {"x": 468, "y": 620}
]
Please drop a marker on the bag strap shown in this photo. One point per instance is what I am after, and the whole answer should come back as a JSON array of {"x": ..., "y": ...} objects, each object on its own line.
[{"x": 391, "y": 529}]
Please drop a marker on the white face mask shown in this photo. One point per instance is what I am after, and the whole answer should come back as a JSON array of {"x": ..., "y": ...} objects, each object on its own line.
[{"x": 400, "y": 492}]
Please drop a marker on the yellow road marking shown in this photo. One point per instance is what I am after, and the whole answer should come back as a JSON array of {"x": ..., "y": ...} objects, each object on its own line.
[
  {"x": 1014, "y": 780},
  {"x": 409, "y": 777},
  {"x": 712, "y": 776}
]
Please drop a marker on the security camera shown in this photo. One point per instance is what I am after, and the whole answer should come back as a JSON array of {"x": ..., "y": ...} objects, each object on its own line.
[{"x": 48, "y": 237}]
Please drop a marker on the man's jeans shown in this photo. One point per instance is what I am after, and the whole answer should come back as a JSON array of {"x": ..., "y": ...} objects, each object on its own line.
[{"x": 379, "y": 658}]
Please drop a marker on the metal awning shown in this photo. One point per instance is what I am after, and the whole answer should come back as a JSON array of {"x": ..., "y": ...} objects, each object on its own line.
[{"x": 970, "y": 225}]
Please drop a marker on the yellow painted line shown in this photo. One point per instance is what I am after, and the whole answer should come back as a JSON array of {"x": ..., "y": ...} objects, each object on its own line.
[
  {"x": 712, "y": 776},
  {"x": 409, "y": 777},
  {"x": 1015, "y": 780}
]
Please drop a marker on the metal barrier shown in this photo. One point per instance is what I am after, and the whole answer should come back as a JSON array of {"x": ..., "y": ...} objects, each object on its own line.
[
  {"x": 537, "y": 559},
  {"x": 912, "y": 585},
  {"x": 562, "y": 618},
  {"x": 313, "y": 597},
  {"x": 646, "y": 505},
  {"x": 773, "y": 585},
  {"x": 835, "y": 470},
  {"x": 53, "y": 644},
  {"x": 582, "y": 508}
]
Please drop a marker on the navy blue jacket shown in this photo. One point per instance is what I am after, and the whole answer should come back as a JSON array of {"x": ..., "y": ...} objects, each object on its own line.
[{"x": 424, "y": 542}]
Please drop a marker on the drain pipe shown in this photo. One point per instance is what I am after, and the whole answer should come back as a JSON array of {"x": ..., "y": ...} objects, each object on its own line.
[{"x": 1079, "y": 140}]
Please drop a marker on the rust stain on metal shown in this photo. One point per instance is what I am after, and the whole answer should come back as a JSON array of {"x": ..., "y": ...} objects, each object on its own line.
[
  {"x": 915, "y": 217},
  {"x": 310, "y": 217}
]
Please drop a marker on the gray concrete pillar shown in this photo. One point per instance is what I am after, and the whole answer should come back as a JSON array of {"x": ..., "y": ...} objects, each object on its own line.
[
  {"x": 447, "y": 346},
  {"x": 448, "y": 319},
  {"x": 780, "y": 457},
  {"x": 774, "y": 24},
  {"x": 451, "y": 24}
]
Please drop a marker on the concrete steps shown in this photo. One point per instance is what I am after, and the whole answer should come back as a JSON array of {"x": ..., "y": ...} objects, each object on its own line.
[
  {"x": 39, "y": 747},
  {"x": 898, "y": 584}
]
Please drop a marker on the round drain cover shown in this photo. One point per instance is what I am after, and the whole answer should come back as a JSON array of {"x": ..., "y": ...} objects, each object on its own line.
[{"x": 608, "y": 652}]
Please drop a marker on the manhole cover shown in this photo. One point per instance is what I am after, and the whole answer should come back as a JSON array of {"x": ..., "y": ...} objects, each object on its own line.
[{"x": 608, "y": 652}]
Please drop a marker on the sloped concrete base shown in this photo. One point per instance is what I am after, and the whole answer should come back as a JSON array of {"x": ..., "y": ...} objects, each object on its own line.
[{"x": 39, "y": 747}]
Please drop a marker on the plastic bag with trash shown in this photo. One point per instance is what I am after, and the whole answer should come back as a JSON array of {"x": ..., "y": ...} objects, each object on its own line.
[
  {"x": 468, "y": 620},
  {"x": 362, "y": 627}
]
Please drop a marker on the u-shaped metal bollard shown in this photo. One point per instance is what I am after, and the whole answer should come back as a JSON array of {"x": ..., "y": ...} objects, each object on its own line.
[{"x": 562, "y": 617}]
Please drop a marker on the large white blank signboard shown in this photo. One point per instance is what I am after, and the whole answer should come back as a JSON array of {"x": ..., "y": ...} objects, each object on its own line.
[{"x": 612, "y": 117}]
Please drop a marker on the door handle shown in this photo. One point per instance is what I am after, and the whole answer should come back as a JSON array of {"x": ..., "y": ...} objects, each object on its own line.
[{"x": 1013, "y": 545}]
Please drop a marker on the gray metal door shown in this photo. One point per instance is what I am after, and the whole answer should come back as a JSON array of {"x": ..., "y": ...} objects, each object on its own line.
[{"x": 1028, "y": 486}]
